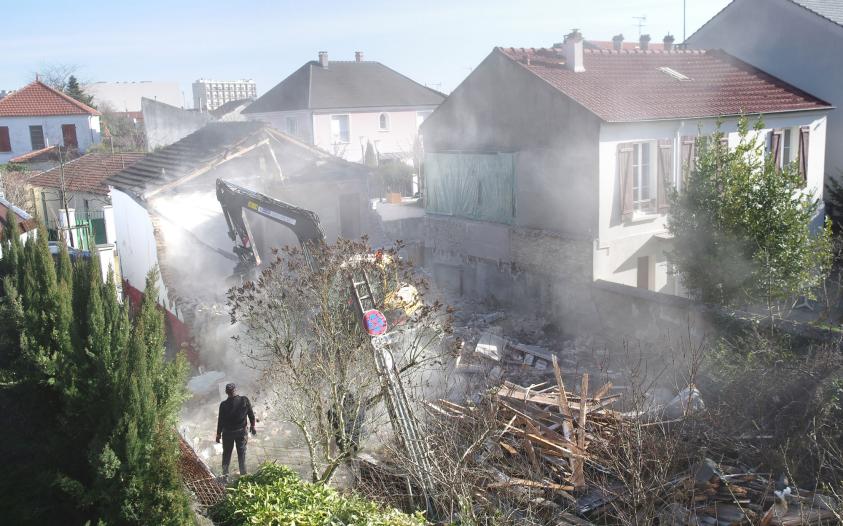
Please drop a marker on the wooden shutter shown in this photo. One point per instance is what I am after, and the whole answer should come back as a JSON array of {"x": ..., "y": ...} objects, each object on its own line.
[
  {"x": 625, "y": 179},
  {"x": 776, "y": 146},
  {"x": 689, "y": 156},
  {"x": 68, "y": 134},
  {"x": 5, "y": 142},
  {"x": 803, "y": 153},
  {"x": 664, "y": 173}
]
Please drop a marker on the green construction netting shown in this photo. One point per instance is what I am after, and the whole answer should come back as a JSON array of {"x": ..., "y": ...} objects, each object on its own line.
[{"x": 474, "y": 186}]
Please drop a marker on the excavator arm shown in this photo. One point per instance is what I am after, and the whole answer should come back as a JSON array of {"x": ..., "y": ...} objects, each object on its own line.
[{"x": 236, "y": 200}]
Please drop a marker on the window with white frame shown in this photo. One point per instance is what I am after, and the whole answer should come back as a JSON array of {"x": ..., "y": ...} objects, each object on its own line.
[
  {"x": 383, "y": 121},
  {"x": 642, "y": 177},
  {"x": 340, "y": 130},
  {"x": 787, "y": 147}
]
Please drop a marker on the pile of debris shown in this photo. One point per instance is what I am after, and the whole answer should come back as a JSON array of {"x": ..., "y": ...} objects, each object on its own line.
[
  {"x": 198, "y": 477},
  {"x": 557, "y": 450}
]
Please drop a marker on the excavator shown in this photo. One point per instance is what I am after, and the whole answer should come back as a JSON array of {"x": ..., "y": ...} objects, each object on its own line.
[{"x": 235, "y": 202}]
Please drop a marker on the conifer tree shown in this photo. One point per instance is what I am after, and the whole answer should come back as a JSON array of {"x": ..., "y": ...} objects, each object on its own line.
[{"x": 75, "y": 90}]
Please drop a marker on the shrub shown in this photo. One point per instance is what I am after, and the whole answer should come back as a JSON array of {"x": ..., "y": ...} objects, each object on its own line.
[{"x": 275, "y": 495}]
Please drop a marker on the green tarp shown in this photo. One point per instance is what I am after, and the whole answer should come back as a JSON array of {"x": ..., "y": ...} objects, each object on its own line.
[{"x": 474, "y": 186}]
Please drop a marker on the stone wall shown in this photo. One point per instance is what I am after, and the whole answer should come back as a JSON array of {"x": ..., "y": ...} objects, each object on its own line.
[{"x": 550, "y": 274}]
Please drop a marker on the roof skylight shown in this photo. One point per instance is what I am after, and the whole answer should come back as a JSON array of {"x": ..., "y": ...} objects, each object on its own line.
[{"x": 673, "y": 73}]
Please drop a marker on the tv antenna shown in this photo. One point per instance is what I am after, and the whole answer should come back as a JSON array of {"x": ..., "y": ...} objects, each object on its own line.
[{"x": 642, "y": 23}]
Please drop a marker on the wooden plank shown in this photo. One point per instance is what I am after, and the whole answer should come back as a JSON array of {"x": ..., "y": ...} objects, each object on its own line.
[{"x": 579, "y": 475}]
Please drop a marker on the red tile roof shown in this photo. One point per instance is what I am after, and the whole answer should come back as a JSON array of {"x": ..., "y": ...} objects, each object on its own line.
[
  {"x": 38, "y": 99},
  {"x": 47, "y": 152},
  {"x": 87, "y": 173},
  {"x": 623, "y": 86}
]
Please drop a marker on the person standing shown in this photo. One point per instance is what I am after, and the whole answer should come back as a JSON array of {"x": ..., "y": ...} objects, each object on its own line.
[{"x": 231, "y": 427}]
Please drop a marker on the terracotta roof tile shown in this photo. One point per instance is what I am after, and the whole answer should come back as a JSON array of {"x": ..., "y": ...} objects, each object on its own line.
[
  {"x": 623, "y": 86},
  {"x": 87, "y": 173},
  {"x": 47, "y": 152},
  {"x": 38, "y": 99}
]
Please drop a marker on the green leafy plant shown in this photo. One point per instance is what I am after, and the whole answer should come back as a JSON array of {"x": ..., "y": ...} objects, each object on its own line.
[
  {"x": 741, "y": 226},
  {"x": 275, "y": 495}
]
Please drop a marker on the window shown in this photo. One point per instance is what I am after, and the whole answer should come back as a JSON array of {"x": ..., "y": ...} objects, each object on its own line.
[
  {"x": 68, "y": 135},
  {"x": 5, "y": 142},
  {"x": 787, "y": 148},
  {"x": 340, "y": 132},
  {"x": 383, "y": 121},
  {"x": 292, "y": 126},
  {"x": 421, "y": 116},
  {"x": 642, "y": 198},
  {"x": 36, "y": 137}
]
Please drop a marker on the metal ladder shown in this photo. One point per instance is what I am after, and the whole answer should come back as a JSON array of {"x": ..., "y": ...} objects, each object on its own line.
[{"x": 401, "y": 417}]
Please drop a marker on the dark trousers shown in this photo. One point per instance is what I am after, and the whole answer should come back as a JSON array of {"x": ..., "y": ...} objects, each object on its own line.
[{"x": 229, "y": 440}]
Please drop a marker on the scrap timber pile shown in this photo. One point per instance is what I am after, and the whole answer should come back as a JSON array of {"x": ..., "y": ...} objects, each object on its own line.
[
  {"x": 197, "y": 477},
  {"x": 556, "y": 451}
]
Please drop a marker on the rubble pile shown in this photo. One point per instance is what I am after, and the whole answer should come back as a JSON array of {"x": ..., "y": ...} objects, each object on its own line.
[
  {"x": 556, "y": 450},
  {"x": 198, "y": 477}
]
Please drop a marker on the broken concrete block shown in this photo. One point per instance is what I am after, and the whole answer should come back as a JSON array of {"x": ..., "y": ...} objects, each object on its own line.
[{"x": 491, "y": 345}]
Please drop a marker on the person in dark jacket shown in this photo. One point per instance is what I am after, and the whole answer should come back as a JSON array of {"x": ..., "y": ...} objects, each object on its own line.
[{"x": 231, "y": 427}]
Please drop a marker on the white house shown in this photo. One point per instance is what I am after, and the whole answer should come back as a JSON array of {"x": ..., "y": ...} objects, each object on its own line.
[
  {"x": 795, "y": 40},
  {"x": 341, "y": 106},
  {"x": 553, "y": 163},
  {"x": 38, "y": 116}
]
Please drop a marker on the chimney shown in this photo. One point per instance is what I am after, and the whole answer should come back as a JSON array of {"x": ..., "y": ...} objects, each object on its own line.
[
  {"x": 323, "y": 59},
  {"x": 572, "y": 48},
  {"x": 644, "y": 42},
  {"x": 358, "y": 56},
  {"x": 617, "y": 42},
  {"x": 668, "y": 42}
]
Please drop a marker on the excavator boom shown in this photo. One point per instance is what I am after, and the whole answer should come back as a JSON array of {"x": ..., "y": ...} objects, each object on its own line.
[{"x": 236, "y": 200}]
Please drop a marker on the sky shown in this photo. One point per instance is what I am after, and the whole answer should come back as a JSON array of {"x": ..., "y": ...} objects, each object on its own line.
[{"x": 434, "y": 42}]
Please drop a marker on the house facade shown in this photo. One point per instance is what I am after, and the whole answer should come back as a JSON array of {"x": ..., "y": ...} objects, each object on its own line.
[
  {"x": 793, "y": 40},
  {"x": 37, "y": 116},
  {"x": 81, "y": 184},
  {"x": 547, "y": 169},
  {"x": 342, "y": 106}
]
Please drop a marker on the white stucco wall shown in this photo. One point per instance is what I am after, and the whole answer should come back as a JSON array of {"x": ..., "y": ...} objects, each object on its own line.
[
  {"x": 791, "y": 43},
  {"x": 126, "y": 96},
  {"x": 135, "y": 242},
  {"x": 278, "y": 120},
  {"x": 364, "y": 126},
  {"x": 620, "y": 243},
  {"x": 87, "y": 132}
]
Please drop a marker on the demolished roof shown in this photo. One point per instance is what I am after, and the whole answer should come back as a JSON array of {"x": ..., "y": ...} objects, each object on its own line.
[
  {"x": 39, "y": 99},
  {"x": 213, "y": 145},
  {"x": 344, "y": 84},
  {"x": 625, "y": 86},
  {"x": 87, "y": 173}
]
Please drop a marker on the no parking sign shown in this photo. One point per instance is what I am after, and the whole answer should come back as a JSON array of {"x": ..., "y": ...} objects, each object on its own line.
[{"x": 374, "y": 322}]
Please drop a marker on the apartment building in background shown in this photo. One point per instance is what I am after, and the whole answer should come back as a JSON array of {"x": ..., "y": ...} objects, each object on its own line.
[{"x": 209, "y": 95}]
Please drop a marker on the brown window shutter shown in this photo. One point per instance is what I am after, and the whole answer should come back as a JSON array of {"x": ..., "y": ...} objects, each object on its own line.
[
  {"x": 689, "y": 156},
  {"x": 665, "y": 172},
  {"x": 776, "y": 146},
  {"x": 625, "y": 179},
  {"x": 5, "y": 142},
  {"x": 804, "y": 134}
]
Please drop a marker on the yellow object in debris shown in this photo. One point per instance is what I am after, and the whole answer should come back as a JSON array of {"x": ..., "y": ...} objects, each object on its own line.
[{"x": 406, "y": 298}]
